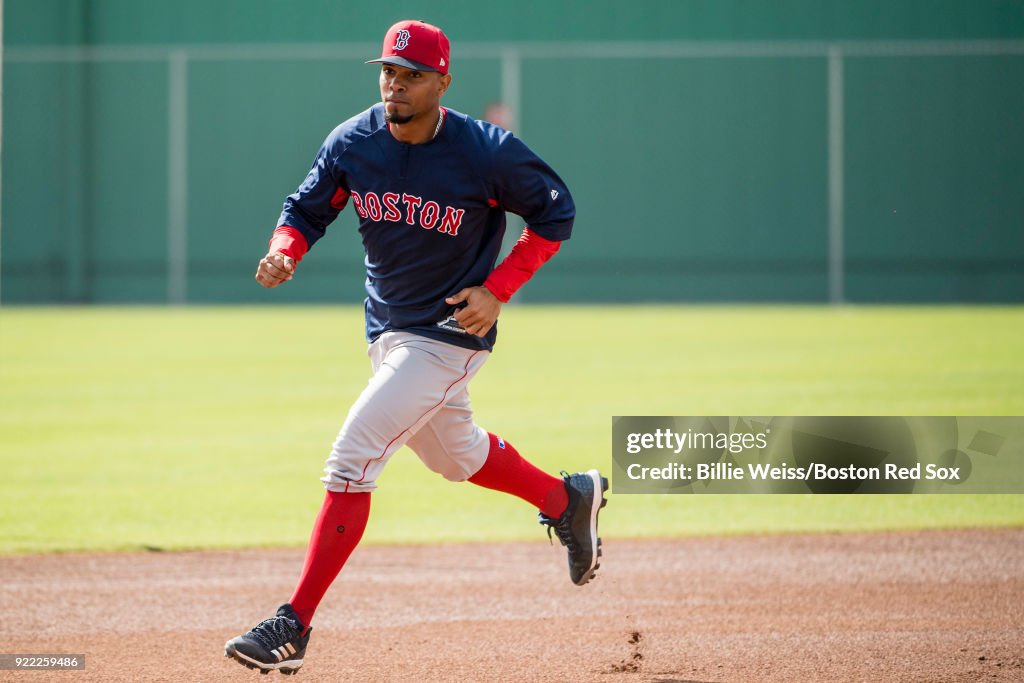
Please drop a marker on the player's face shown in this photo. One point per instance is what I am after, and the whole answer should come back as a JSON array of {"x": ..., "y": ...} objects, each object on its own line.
[{"x": 408, "y": 93}]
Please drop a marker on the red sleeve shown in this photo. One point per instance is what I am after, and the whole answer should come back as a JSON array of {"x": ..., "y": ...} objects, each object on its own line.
[
  {"x": 526, "y": 257},
  {"x": 289, "y": 242}
]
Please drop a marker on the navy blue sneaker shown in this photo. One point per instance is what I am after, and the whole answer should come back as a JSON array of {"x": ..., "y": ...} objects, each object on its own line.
[
  {"x": 274, "y": 643},
  {"x": 577, "y": 527}
]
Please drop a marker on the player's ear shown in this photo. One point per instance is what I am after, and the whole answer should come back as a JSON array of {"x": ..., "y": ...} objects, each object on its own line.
[{"x": 443, "y": 84}]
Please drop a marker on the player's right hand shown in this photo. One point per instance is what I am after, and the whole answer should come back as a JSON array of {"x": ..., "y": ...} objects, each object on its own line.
[{"x": 274, "y": 269}]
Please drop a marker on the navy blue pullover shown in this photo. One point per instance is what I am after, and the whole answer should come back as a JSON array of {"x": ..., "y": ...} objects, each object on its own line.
[{"x": 431, "y": 216}]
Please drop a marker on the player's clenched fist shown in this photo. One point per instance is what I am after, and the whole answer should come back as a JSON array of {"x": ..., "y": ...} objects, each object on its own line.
[
  {"x": 274, "y": 269},
  {"x": 480, "y": 312}
]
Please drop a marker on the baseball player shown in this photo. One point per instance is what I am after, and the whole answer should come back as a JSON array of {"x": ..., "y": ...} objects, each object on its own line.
[{"x": 431, "y": 187}]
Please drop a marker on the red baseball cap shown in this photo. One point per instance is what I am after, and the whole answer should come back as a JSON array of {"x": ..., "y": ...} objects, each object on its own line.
[{"x": 415, "y": 45}]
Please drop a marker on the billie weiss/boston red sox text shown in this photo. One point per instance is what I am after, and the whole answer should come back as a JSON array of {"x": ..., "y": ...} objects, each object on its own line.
[{"x": 676, "y": 442}]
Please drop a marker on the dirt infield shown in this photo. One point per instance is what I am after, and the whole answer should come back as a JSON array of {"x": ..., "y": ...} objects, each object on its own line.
[{"x": 935, "y": 606}]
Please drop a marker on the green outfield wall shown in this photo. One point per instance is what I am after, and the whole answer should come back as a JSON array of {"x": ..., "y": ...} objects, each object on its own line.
[{"x": 759, "y": 150}]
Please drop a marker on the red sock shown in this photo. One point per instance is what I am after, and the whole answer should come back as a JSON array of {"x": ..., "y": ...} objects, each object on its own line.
[
  {"x": 505, "y": 470},
  {"x": 336, "y": 532}
]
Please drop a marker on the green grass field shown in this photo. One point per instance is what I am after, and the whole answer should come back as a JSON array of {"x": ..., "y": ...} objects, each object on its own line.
[{"x": 131, "y": 428}]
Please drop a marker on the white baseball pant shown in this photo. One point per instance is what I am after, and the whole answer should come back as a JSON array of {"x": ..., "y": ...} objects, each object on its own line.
[{"x": 418, "y": 396}]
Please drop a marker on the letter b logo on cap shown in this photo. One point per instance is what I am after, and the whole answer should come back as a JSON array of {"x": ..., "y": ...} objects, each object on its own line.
[{"x": 401, "y": 40}]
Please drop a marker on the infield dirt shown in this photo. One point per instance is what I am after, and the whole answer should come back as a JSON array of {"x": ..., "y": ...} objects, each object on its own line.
[{"x": 928, "y": 606}]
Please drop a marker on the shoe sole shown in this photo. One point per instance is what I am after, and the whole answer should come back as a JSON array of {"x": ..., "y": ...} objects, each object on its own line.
[
  {"x": 287, "y": 667},
  {"x": 600, "y": 486}
]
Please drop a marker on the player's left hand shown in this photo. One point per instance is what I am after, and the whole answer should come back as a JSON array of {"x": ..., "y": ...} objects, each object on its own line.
[{"x": 480, "y": 312}]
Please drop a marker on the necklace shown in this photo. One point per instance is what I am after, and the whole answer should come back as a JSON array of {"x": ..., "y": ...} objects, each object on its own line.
[{"x": 440, "y": 120}]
